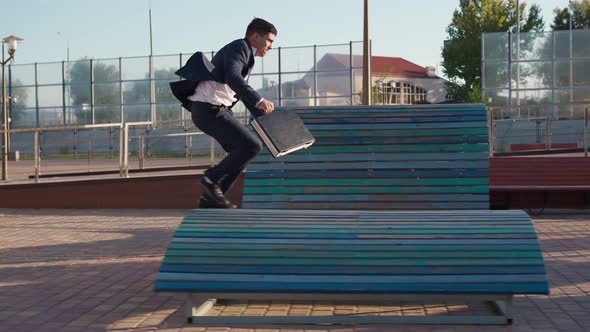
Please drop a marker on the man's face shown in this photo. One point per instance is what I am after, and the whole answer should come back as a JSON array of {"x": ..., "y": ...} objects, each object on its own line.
[{"x": 263, "y": 44}]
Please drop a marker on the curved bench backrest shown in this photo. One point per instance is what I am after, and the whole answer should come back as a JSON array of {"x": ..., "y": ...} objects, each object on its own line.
[{"x": 409, "y": 157}]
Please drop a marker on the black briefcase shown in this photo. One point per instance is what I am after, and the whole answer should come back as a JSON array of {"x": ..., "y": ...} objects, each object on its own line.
[{"x": 283, "y": 132}]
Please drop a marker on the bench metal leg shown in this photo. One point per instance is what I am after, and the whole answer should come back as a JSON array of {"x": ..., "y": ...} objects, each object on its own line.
[
  {"x": 505, "y": 308},
  {"x": 345, "y": 319},
  {"x": 191, "y": 309},
  {"x": 197, "y": 307}
]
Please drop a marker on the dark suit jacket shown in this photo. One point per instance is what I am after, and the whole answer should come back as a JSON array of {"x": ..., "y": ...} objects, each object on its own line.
[{"x": 231, "y": 65}]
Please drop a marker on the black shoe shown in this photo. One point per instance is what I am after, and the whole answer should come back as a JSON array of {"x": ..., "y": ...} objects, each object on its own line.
[
  {"x": 205, "y": 203},
  {"x": 212, "y": 192}
]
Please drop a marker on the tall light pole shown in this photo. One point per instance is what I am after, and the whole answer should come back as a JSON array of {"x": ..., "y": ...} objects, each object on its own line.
[
  {"x": 366, "y": 58},
  {"x": 517, "y": 58},
  {"x": 571, "y": 9},
  {"x": 12, "y": 42},
  {"x": 66, "y": 78},
  {"x": 152, "y": 74}
]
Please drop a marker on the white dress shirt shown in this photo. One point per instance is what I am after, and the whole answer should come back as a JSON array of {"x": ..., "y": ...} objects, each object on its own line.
[{"x": 216, "y": 93}]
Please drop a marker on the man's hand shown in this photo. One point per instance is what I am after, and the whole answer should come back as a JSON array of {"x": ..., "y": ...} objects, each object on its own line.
[{"x": 266, "y": 106}]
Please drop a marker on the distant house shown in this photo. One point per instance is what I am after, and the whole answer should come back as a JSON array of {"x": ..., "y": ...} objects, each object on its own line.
[{"x": 394, "y": 81}]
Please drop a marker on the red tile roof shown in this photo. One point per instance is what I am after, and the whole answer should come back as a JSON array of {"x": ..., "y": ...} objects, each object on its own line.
[{"x": 380, "y": 65}]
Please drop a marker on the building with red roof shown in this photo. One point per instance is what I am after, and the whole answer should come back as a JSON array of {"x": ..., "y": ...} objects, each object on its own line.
[{"x": 395, "y": 80}]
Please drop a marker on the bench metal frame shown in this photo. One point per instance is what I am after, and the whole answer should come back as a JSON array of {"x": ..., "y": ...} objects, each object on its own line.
[{"x": 197, "y": 306}]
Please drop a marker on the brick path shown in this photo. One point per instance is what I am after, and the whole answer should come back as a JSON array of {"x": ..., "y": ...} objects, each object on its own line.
[{"x": 93, "y": 270}]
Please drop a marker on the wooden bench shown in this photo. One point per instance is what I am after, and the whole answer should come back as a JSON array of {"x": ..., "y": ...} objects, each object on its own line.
[
  {"x": 390, "y": 204},
  {"x": 542, "y": 146},
  {"x": 540, "y": 182}
]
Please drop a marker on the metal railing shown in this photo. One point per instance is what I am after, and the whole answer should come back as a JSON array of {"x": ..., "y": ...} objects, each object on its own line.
[
  {"x": 126, "y": 89},
  {"x": 547, "y": 130},
  {"x": 124, "y": 141}
]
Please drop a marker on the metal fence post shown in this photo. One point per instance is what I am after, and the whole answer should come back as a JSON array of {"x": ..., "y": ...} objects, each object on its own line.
[
  {"x": 351, "y": 66},
  {"x": 190, "y": 150},
  {"x": 315, "y": 76},
  {"x": 212, "y": 152},
  {"x": 141, "y": 151},
  {"x": 89, "y": 153},
  {"x": 63, "y": 92},
  {"x": 126, "y": 150},
  {"x": 122, "y": 150},
  {"x": 111, "y": 140},
  {"x": 121, "y": 96},
  {"x": 509, "y": 73},
  {"x": 36, "y": 156},
  {"x": 37, "y": 115},
  {"x": 490, "y": 132},
  {"x": 548, "y": 138},
  {"x": 186, "y": 142},
  {"x": 586, "y": 132},
  {"x": 75, "y": 143},
  {"x": 280, "y": 78},
  {"x": 547, "y": 134},
  {"x": 92, "y": 109}
]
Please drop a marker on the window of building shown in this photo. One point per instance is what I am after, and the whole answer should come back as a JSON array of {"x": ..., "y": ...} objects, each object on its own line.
[{"x": 394, "y": 92}]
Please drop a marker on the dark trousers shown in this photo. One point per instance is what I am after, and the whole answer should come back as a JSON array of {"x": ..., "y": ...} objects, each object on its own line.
[{"x": 240, "y": 144}]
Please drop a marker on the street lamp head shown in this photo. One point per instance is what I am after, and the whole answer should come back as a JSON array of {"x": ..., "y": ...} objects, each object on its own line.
[{"x": 12, "y": 42}]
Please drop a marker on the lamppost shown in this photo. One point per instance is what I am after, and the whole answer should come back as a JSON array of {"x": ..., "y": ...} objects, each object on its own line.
[
  {"x": 366, "y": 57},
  {"x": 66, "y": 78},
  {"x": 12, "y": 42}
]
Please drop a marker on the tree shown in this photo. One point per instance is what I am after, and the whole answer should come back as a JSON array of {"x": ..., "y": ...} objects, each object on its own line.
[
  {"x": 462, "y": 50},
  {"x": 581, "y": 16},
  {"x": 106, "y": 94},
  {"x": 167, "y": 105},
  {"x": 18, "y": 100}
]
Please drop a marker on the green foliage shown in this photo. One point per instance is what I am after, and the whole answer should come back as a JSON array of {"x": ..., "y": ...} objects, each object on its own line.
[
  {"x": 18, "y": 101},
  {"x": 581, "y": 16},
  {"x": 108, "y": 94},
  {"x": 104, "y": 94},
  {"x": 462, "y": 50},
  {"x": 140, "y": 94}
]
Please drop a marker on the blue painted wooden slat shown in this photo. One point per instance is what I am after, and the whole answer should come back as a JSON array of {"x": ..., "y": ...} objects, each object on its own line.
[
  {"x": 368, "y": 174},
  {"x": 412, "y": 182},
  {"x": 354, "y": 262},
  {"x": 371, "y": 165},
  {"x": 391, "y": 148},
  {"x": 265, "y": 287},
  {"x": 349, "y": 247},
  {"x": 351, "y": 224},
  {"x": 530, "y": 240},
  {"x": 367, "y": 198},
  {"x": 294, "y": 158},
  {"x": 409, "y": 126},
  {"x": 387, "y": 118},
  {"x": 394, "y": 206},
  {"x": 413, "y": 109},
  {"x": 370, "y": 133},
  {"x": 352, "y": 270},
  {"x": 361, "y": 190},
  {"x": 446, "y": 279},
  {"x": 361, "y": 230},
  {"x": 487, "y": 214},
  {"x": 398, "y": 140},
  {"x": 352, "y": 254}
]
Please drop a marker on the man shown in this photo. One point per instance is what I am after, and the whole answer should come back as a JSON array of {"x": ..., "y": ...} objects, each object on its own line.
[{"x": 210, "y": 90}]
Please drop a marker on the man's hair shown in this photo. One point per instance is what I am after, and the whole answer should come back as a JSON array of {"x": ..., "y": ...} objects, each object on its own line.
[{"x": 260, "y": 26}]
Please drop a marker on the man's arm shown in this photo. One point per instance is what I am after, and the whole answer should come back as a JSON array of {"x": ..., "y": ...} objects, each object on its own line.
[{"x": 234, "y": 61}]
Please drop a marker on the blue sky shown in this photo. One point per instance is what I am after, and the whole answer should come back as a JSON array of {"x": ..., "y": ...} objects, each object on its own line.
[{"x": 413, "y": 30}]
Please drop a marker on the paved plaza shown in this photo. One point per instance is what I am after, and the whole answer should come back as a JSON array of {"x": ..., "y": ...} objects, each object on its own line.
[{"x": 94, "y": 270}]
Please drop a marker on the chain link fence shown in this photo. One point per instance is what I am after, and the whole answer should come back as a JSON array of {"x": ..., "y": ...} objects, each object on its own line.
[{"x": 537, "y": 86}]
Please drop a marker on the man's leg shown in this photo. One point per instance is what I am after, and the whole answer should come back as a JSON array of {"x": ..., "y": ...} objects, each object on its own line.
[
  {"x": 241, "y": 145},
  {"x": 228, "y": 181}
]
